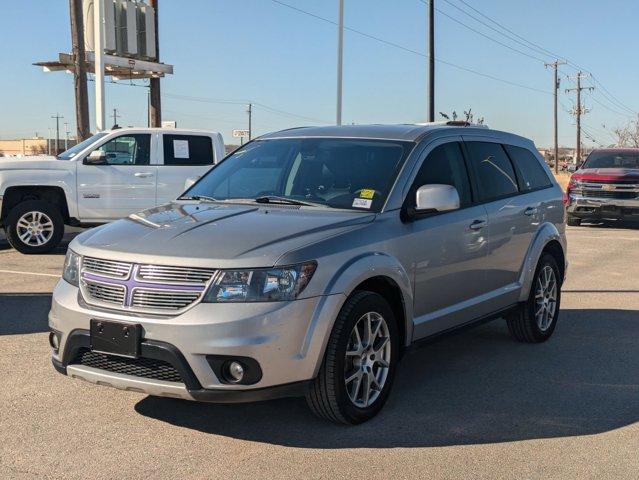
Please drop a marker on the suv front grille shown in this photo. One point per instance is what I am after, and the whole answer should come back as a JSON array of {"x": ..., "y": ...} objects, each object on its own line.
[
  {"x": 136, "y": 367},
  {"x": 154, "y": 289},
  {"x": 610, "y": 194}
]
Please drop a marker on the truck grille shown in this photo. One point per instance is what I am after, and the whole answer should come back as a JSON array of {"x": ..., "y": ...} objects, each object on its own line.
[
  {"x": 162, "y": 299},
  {"x": 610, "y": 194},
  {"x": 136, "y": 367},
  {"x": 154, "y": 289}
]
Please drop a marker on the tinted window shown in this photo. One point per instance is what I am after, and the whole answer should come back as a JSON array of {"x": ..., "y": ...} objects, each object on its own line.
[
  {"x": 530, "y": 174},
  {"x": 495, "y": 174},
  {"x": 188, "y": 150},
  {"x": 340, "y": 173},
  {"x": 445, "y": 165},
  {"x": 128, "y": 150},
  {"x": 603, "y": 159}
]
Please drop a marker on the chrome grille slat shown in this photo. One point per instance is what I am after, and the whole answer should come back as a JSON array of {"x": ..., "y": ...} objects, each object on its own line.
[
  {"x": 105, "y": 293},
  {"x": 161, "y": 273},
  {"x": 163, "y": 300},
  {"x": 110, "y": 268}
]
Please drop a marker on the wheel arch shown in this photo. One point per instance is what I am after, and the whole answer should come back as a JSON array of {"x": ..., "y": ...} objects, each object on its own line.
[{"x": 16, "y": 194}]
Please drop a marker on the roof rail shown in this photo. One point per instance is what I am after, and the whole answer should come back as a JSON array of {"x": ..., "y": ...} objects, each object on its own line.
[{"x": 464, "y": 123}]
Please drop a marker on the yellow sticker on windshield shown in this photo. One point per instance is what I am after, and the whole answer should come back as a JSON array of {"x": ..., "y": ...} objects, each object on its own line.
[{"x": 366, "y": 193}]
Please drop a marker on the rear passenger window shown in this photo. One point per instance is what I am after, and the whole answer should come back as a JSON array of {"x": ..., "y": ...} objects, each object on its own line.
[
  {"x": 530, "y": 173},
  {"x": 188, "y": 150},
  {"x": 445, "y": 165},
  {"x": 495, "y": 174}
]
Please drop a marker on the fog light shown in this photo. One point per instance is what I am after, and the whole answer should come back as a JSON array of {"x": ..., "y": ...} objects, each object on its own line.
[
  {"x": 54, "y": 340},
  {"x": 235, "y": 372}
]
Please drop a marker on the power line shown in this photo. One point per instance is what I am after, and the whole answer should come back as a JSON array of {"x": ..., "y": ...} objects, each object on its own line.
[{"x": 410, "y": 50}]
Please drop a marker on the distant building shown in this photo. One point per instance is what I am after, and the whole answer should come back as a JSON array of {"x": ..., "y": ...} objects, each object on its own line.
[{"x": 31, "y": 146}]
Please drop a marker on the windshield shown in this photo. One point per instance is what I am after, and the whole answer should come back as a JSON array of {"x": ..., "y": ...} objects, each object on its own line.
[
  {"x": 73, "y": 151},
  {"x": 612, "y": 160},
  {"x": 339, "y": 173}
]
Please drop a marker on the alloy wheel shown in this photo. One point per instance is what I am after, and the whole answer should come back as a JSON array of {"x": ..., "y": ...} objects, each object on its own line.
[
  {"x": 545, "y": 298},
  {"x": 368, "y": 356},
  {"x": 34, "y": 228}
]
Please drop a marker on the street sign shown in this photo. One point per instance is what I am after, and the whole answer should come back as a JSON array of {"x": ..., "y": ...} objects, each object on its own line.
[{"x": 240, "y": 133}]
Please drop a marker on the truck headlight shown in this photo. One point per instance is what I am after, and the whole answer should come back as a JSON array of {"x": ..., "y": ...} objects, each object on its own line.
[
  {"x": 260, "y": 285},
  {"x": 71, "y": 270}
]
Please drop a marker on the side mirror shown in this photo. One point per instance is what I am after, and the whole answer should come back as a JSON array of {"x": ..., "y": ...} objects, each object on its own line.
[
  {"x": 189, "y": 182},
  {"x": 433, "y": 198},
  {"x": 96, "y": 157}
]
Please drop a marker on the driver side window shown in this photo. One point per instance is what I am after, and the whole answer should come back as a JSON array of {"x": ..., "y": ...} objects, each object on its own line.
[
  {"x": 445, "y": 165},
  {"x": 128, "y": 150}
]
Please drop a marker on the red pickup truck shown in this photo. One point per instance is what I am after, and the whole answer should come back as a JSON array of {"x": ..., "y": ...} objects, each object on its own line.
[{"x": 606, "y": 187}]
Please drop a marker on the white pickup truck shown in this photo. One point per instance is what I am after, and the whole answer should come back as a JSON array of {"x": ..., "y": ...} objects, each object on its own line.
[{"x": 106, "y": 177}]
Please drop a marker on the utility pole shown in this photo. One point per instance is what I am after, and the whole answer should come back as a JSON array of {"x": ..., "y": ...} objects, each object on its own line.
[
  {"x": 431, "y": 60},
  {"x": 49, "y": 141},
  {"x": 579, "y": 110},
  {"x": 57, "y": 117},
  {"x": 66, "y": 136},
  {"x": 115, "y": 116},
  {"x": 554, "y": 65},
  {"x": 98, "y": 27},
  {"x": 340, "y": 61},
  {"x": 80, "y": 73},
  {"x": 155, "y": 99},
  {"x": 250, "y": 119}
]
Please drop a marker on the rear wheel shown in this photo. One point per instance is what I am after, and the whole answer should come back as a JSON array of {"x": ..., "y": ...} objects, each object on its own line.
[
  {"x": 535, "y": 320},
  {"x": 359, "y": 365},
  {"x": 573, "y": 221},
  {"x": 34, "y": 226}
]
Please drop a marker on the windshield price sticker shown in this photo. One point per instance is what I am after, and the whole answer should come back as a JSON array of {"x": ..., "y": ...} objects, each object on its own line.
[
  {"x": 362, "y": 203},
  {"x": 367, "y": 193}
]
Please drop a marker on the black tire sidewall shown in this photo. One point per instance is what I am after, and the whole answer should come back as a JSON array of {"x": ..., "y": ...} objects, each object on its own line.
[
  {"x": 371, "y": 302},
  {"x": 38, "y": 206},
  {"x": 545, "y": 260}
]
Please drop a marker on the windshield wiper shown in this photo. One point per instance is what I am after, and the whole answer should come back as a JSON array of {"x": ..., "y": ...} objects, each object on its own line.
[
  {"x": 199, "y": 198},
  {"x": 286, "y": 201}
]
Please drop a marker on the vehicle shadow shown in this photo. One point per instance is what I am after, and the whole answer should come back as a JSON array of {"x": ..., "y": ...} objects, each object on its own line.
[
  {"x": 61, "y": 249},
  {"x": 612, "y": 224},
  {"x": 474, "y": 388},
  {"x": 22, "y": 313}
]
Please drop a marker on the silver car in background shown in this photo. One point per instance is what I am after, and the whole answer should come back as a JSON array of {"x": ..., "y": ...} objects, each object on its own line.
[{"x": 307, "y": 262}]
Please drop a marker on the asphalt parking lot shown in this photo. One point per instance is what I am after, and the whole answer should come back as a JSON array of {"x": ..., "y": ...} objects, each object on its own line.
[{"x": 476, "y": 405}]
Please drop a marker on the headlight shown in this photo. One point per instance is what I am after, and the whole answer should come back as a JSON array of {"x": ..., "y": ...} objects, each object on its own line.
[
  {"x": 260, "y": 285},
  {"x": 71, "y": 271}
]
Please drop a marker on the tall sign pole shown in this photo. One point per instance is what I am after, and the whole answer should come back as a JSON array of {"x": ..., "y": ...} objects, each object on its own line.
[
  {"x": 98, "y": 27},
  {"x": 80, "y": 73},
  {"x": 431, "y": 60},
  {"x": 340, "y": 60},
  {"x": 155, "y": 99}
]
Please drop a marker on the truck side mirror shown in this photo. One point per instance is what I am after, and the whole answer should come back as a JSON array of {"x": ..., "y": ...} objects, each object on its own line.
[{"x": 96, "y": 157}]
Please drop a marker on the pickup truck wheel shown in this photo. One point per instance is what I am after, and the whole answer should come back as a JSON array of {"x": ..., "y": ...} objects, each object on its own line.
[
  {"x": 573, "y": 221},
  {"x": 359, "y": 365},
  {"x": 535, "y": 320},
  {"x": 34, "y": 226}
]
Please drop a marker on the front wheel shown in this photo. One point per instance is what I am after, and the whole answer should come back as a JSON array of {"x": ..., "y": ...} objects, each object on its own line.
[
  {"x": 534, "y": 321},
  {"x": 359, "y": 365},
  {"x": 34, "y": 226}
]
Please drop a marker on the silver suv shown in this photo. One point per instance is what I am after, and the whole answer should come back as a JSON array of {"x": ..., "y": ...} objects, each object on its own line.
[{"x": 307, "y": 262}]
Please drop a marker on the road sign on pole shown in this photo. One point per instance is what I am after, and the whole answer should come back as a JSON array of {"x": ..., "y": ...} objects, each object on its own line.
[{"x": 240, "y": 133}]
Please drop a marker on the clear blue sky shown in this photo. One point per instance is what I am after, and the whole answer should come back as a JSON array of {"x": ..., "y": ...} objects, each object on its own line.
[{"x": 257, "y": 50}]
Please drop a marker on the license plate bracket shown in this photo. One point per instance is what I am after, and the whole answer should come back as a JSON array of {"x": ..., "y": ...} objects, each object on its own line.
[{"x": 115, "y": 338}]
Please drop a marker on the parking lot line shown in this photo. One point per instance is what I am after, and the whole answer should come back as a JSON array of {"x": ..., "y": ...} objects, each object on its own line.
[{"x": 30, "y": 273}]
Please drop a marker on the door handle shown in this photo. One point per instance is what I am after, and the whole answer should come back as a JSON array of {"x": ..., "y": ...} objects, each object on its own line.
[
  {"x": 143, "y": 174},
  {"x": 530, "y": 211},
  {"x": 478, "y": 224}
]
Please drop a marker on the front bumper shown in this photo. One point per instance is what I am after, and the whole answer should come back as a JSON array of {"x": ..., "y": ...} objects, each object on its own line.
[
  {"x": 603, "y": 208},
  {"x": 286, "y": 339}
]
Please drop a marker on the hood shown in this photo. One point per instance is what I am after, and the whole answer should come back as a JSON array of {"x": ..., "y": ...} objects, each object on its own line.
[
  {"x": 215, "y": 235},
  {"x": 33, "y": 162},
  {"x": 606, "y": 174}
]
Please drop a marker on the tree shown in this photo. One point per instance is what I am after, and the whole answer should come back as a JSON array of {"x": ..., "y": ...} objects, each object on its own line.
[
  {"x": 470, "y": 116},
  {"x": 628, "y": 136}
]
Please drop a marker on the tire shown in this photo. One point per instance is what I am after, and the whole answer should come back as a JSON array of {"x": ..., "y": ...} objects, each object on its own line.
[
  {"x": 573, "y": 221},
  {"x": 523, "y": 323},
  {"x": 36, "y": 212},
  {"x": 329, "y": 397}
]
